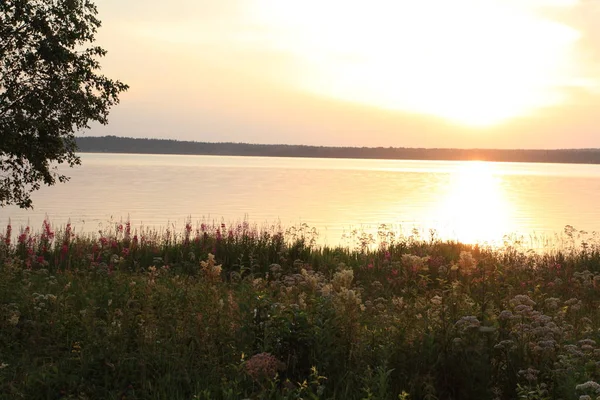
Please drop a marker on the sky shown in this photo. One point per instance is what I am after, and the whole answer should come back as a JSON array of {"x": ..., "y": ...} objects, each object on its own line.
[{"x": 401, "y": 73}]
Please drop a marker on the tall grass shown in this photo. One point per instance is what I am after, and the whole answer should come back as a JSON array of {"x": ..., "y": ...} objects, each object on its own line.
[{"x": 233, "y": 312}]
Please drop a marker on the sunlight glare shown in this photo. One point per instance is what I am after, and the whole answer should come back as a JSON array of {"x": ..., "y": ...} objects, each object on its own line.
[
  {"x": 476, "y": 62},
  {"x": 475, "y": 209}
]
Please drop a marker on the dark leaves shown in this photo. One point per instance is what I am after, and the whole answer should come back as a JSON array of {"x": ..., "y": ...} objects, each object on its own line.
[{"x": 50, "y": 87}]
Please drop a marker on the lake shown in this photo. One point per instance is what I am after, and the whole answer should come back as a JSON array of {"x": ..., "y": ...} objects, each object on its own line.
[{"x": 470, "y": 201}]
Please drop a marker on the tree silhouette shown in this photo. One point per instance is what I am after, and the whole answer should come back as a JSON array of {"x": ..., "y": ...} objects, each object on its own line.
[{"x": 50, "y": 88}]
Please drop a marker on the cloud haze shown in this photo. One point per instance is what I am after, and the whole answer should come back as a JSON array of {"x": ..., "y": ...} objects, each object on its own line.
[{"x": 505, "y": 74}]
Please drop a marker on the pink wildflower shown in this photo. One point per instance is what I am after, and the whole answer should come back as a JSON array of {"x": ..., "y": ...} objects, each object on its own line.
[
  {"x": 69, "y": 233},
  {"x": 23, "y": 236},
  {"x": 48, "y": 233},
  {"x": 8, "y": 234}
]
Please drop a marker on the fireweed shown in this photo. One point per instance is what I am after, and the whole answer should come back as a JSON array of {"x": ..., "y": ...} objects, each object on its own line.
[{"x": 230, "y": 311}]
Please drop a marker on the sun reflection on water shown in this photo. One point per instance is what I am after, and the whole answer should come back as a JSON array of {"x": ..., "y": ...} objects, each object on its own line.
[{"x": 475, "y": 208}]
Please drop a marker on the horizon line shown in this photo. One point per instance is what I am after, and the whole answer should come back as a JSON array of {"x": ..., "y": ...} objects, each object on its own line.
[{"x": 343, "y": 147}]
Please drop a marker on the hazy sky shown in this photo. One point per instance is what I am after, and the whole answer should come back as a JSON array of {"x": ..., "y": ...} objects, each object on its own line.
[{"x": 415, "y": 73}]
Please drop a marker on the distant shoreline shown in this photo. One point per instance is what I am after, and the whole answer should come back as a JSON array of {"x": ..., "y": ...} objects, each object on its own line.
[{"x": 114, "y": 144}]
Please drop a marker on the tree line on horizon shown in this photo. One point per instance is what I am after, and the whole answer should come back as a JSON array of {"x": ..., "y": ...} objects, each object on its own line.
[{"x": 114, "y": 144}]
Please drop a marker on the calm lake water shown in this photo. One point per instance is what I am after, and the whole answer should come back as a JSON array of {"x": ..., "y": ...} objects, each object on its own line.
[{"x": 467, "y": 201}]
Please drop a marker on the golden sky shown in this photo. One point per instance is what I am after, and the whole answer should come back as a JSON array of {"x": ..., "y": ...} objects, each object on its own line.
[{"x": 426, "y": 73}]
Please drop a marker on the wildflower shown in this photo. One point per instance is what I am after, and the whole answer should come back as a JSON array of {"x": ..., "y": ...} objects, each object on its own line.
[
  {"x": 23, "y": 236},
  {"x": 311, "y": 280},
  {"x": 8, "y": 234},
  {"x": 48, "y": 233},
  {"x": 416, "y": 263},
  {"x": 466, "y": 261},
  {"x": 504, "y": 345},
  {"x": 398, "y": 301},
  {"x": 521, "y": 299},
  {"x": 14, "y": 318},
  {"x": 275, "y": 270},
  {"x": 552, "y": 303},
  {"x": 547, "y": 345},
  {"x": 589, "y": 385},
  {"x": 302, "y": 301},
  {"x": 436, "y": 300},
  {"x": 574, "y": 351},
  {"x": 258, "y": 284},
  {"x": 211, "y": 271},
  {"x": 530, "y": 374},
  {"x": 263, "y": 366},
  {"x": 343, "y": 279},
  {"x": 350, "y": 297},
  {"x": 505, "y": 315},
  {"x": 76, "y": 348},
  {"x": 523, "y": 309},
  {"x": 468, "y": 322},
  {"x": 571, "y": 301}
]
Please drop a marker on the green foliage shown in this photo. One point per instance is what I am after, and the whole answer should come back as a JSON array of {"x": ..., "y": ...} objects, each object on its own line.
[
  {"x": 231, "y": 312},
  {"x": 49, "y": 88}
]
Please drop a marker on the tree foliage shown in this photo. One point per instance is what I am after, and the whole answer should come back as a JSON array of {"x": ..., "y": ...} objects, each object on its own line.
[{"x": 50, "y": 88}]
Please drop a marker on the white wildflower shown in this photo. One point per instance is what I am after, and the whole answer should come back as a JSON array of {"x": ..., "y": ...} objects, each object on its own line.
[
  {"x": 589, "y": 385},
  {"x": 343, "y": 279},
  {"x": 436, "y": 300}
]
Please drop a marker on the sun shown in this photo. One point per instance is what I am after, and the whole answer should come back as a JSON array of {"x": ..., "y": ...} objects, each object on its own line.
[{"x": 474, "y": 62}]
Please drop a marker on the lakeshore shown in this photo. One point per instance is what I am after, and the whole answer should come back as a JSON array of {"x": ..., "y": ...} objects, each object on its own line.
[{"x": 114, "y": 144}]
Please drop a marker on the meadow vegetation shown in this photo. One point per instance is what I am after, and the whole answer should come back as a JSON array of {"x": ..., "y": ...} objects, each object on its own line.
[{"x": 236, "y": 312}]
